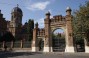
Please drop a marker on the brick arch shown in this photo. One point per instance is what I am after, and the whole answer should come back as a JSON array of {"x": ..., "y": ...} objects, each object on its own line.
[
  {"x": 51, "y": 24},
  {"x": 53, "y": 29}
]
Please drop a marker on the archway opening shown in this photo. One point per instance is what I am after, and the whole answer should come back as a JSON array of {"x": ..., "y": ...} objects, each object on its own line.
[{"x": 58, "y": 40}]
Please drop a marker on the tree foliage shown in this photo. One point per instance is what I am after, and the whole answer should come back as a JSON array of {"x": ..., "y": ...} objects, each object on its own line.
[
  {"x": 81, "y": 21},
  {"x": 7, "y": 37},
  {"x": 30, "y": 28}
]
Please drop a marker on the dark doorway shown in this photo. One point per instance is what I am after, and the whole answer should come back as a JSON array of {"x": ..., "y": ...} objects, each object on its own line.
[
  {"x": 79, "y": 45},
  {"x": 41, "y": 45}
]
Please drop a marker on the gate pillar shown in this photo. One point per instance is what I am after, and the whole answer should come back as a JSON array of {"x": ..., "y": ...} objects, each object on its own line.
[
  {"x": 86, "y": 46},
  {"x": 69, "y": 36},
  {"x": 34, "y": 42}
]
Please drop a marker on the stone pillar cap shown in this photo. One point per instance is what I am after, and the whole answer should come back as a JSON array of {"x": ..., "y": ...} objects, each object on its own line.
[
  {"x": 48, "y": 13},
  {"x": 68, "y": 8}
]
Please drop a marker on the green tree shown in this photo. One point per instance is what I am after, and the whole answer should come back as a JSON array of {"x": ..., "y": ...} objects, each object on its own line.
[
  {"x": 30, "y": 28},
  {"x": 7, "y": 37},
  {"x": 81, "y": 22}
]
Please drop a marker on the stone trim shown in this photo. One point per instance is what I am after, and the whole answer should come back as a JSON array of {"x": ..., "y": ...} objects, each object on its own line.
[{"x": 69, "y": 49}]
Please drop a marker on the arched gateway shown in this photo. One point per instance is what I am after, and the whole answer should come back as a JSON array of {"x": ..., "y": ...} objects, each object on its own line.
[
  {"x": 58, "y": 40},
  {"x": 45, "y": 34}
]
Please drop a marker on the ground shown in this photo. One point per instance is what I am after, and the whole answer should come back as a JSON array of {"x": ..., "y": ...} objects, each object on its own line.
[{"x": 42, "y": 55}]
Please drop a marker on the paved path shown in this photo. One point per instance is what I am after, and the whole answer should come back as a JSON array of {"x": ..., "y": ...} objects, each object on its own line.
[{"x": 42, "y": 55}]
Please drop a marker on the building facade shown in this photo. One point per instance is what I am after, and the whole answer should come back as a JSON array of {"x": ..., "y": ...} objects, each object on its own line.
[{"x": 14, "y": 27}]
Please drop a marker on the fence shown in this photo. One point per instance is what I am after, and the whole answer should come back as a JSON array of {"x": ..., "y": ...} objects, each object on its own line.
[{"x": 16, "y": 44}]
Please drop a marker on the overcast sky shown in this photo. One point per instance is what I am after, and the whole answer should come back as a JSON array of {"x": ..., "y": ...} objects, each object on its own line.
[{"x": 36, "y": 9}]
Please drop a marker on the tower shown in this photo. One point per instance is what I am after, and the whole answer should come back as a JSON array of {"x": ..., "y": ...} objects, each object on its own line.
[{"x": 16, "y": 21}]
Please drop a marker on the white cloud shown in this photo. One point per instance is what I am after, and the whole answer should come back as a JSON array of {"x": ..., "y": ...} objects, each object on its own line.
[
  {"x": 38, "y": 5},
  {"x": 40, "y": 22}
]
